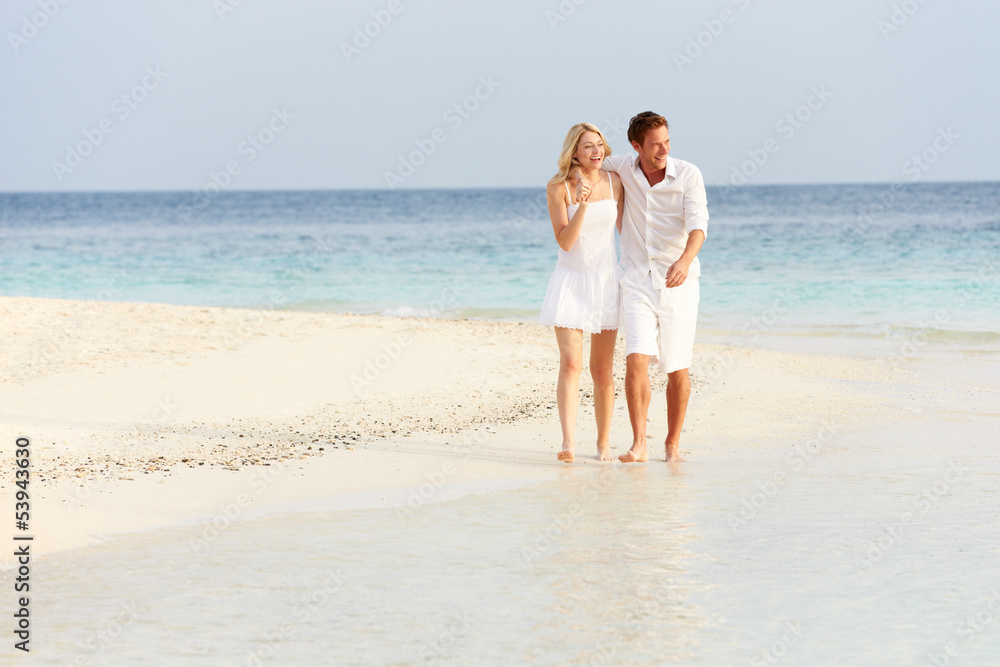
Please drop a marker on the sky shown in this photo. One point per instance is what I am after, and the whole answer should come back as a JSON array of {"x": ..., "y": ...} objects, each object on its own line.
[{"x": 299, "y": 94}]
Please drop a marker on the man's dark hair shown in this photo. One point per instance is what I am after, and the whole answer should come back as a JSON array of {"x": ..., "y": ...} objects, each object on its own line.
[{"x": 643, "y": 123}]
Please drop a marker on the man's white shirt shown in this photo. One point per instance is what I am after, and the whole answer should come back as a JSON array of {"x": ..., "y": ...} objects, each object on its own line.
[{"x": 658, "y": 219}]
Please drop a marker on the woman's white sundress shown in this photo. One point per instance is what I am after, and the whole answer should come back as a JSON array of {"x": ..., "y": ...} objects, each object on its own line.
[{"x": 583, "y": 292}]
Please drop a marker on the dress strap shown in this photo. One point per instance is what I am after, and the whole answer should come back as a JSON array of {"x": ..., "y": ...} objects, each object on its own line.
[
  {"x": 568, "y": 193},
  {"x": 611, "y": 186}
]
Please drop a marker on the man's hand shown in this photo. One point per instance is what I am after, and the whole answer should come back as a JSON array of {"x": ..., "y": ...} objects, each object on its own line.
[{"x": 677, "y": 273}]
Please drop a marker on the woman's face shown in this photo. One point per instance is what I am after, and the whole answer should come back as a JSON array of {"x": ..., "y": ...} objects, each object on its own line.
[{"x": 590, "y": 150}]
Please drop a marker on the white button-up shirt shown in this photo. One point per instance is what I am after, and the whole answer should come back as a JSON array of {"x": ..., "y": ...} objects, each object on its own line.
[{"x": 658, "y": 219}]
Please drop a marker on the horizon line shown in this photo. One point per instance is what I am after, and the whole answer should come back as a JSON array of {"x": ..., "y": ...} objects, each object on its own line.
[{"x": 509, "y": 187}]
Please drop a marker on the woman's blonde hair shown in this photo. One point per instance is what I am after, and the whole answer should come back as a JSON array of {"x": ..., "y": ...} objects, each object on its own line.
[{"x": 566, "y": 160}]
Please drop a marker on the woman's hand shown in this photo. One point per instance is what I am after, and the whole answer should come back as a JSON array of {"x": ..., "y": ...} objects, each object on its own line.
[{"x": 582, "y": 184}]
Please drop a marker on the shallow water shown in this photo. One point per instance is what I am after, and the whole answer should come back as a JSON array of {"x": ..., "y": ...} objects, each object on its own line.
[{"x": 866, "y": 548}]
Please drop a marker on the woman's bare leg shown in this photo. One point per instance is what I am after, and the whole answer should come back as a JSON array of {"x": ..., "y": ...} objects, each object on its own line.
[
  {"x": 568, "y": 389},
  {"x": 602, "y": 359}
]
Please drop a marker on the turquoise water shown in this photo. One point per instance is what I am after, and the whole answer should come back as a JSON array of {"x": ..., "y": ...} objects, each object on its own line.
[
  {"x": 877, "y": 547},
  {"x": 864, "y": 548},
  {"x": 851, "y": 260}
]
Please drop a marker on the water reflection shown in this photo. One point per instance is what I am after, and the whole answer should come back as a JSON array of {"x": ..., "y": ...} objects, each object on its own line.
[
  {"x": 627, "y": 565},
  {"x": 618, "y": 578}
]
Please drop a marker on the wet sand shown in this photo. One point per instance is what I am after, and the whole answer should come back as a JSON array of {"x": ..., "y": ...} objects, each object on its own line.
[{"x": 145, "y": 415}]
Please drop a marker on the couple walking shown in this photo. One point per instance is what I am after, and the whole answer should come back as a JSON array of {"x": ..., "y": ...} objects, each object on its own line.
[{"x": 658, "y": 205}]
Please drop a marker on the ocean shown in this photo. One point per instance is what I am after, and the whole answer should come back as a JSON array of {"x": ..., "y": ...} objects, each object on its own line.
[
  {"x": 879, "y": 547},
  {"x": 862, "y": 264}
]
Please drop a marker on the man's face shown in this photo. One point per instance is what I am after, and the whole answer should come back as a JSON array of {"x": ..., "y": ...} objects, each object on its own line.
[{"x": 654, "y": 149}]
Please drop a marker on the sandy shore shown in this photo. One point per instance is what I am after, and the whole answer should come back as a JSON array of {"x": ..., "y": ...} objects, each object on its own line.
[{"x": 143, "y": 415}]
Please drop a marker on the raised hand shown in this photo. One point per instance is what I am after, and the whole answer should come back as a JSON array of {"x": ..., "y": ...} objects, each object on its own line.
[{"x": 582, "y": 184}]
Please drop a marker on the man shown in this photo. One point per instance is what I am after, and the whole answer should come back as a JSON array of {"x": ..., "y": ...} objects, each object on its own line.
[{"x": 664, "y": 226}]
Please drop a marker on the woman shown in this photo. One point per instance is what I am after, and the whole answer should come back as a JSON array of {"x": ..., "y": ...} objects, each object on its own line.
[{"x": 582, "y": 296}]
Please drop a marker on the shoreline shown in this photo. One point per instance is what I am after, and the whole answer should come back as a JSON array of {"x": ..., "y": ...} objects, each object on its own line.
[{"x": 149, "y": 415}]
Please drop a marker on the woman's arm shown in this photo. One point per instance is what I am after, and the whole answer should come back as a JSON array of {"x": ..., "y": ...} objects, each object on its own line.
[{"x": 567, "y": 231}]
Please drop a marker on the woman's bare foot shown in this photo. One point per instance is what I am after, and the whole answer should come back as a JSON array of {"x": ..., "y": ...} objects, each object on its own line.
[
  {"x": 566, "y": 455},
  {"x": 637, "y": 454},
  {"x": 673, "y": 452},
  {"x": 604, "y": 453}
]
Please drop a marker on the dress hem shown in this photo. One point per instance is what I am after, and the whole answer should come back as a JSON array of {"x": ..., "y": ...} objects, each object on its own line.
[{"x": 590, "y": 330}]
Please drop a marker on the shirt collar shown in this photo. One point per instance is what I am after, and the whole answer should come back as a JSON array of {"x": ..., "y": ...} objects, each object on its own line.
[{"x": 671, "y": 168}]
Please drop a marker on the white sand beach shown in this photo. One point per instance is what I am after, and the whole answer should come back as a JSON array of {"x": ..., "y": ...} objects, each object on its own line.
[{"x": 144, "y": 415}]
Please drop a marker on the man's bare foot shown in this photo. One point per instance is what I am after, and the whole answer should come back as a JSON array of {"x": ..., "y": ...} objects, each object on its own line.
[
  {"x": 604, "y": 453},
  {"x": 637, "y": 454},
  {"x": 566, "y": 456},
  {"x": 673, "y": 452}
]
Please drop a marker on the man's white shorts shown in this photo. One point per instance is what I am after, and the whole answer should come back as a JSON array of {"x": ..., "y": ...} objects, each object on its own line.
[{"x": 660, "y": 322}]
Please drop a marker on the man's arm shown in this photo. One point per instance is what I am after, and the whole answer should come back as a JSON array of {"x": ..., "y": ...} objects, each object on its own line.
[
  {"x": 678, "y": 271},
  {"x": 695, "y": 202},
  {"x": 615, "y": 163},
  {"x": 696, "y": 224}
]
